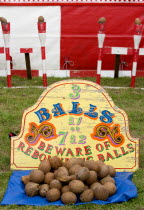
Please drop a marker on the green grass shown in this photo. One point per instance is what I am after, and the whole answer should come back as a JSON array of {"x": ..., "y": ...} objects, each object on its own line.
[
  {"x": 14, "y": 101},
  {"x": 37, "y": 81}
]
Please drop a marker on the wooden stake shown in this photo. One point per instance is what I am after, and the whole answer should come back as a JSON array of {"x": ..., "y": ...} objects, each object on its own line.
[
  {"x": 117, "y": 63},
  {"x": 28, "y": 66}
]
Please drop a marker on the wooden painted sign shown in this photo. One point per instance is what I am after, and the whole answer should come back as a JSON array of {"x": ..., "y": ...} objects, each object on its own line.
[{"x": 75, "y": 118}]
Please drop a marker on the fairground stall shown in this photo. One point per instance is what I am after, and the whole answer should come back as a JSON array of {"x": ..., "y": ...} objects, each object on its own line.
[
  {"x": 76, "y": 38},
  {"x": 73, "y": 120}
]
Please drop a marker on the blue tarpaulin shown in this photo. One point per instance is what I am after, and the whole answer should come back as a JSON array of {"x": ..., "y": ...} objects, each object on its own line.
[{"x": 15, "y": 193}]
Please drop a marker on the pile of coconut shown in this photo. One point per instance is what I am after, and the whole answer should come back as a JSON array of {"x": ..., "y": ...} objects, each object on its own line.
[{"x": 71, "y": 180}]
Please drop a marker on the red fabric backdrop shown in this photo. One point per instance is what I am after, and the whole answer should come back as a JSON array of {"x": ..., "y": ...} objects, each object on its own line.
[{"x": 79, "y": 28}]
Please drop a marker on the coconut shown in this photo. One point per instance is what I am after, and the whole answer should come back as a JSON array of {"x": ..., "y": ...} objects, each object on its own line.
[
  {"x": 61, "y": 171},
  {"x": 68, "y": 198},
  {"x": 41, "y": 19},
  {"x": 103, "y": 172},
  {"x": 102, "y": 20},
  {"x": 80, "y": 161},
  {"x": 53, "y": 195},
  {"x": 72, "y": 161},
  {"x": 112, "y": 171},
  {"x": 86, "y": 187},
  {"x": 31, "y": 189},
  {"x": 101, "y": 193},
  {"x": 91, "y": 165},
  {"x": 76, "y": 186},
  {"x": 55, "y": 162},
  {"x": 94, "y": 185},
  {"x": 55, "y": 184},
  {"x": 111, "y": 188},
  {"x": 99, "y": 163},
  {"x": 137, "y": 21},
  {"x": 3, "y": 20},
  {"x": 83, "y": 174},
  {"x": 107, "y": 179},
  {"x": 92, "y": 178},
  {"x": 48, "y": 177},
  {"x": 45, "y": 166},
  {"x": 65, "y": 188},
  {"x": 25, "y": 179},
  {"x": 65, "y": 163},
  {"x": 55, "y": 173},
  {"x": 87, "y": 195},
  {"x": 66, "y": 178},
  {"x": 74, "y": 169},
  {"x": 36, "y": 176},
  {"x": 43, "y": 189}
]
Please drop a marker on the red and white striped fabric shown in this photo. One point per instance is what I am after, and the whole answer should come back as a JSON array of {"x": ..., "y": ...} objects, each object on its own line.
[{"x": 72, "y": 38}]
